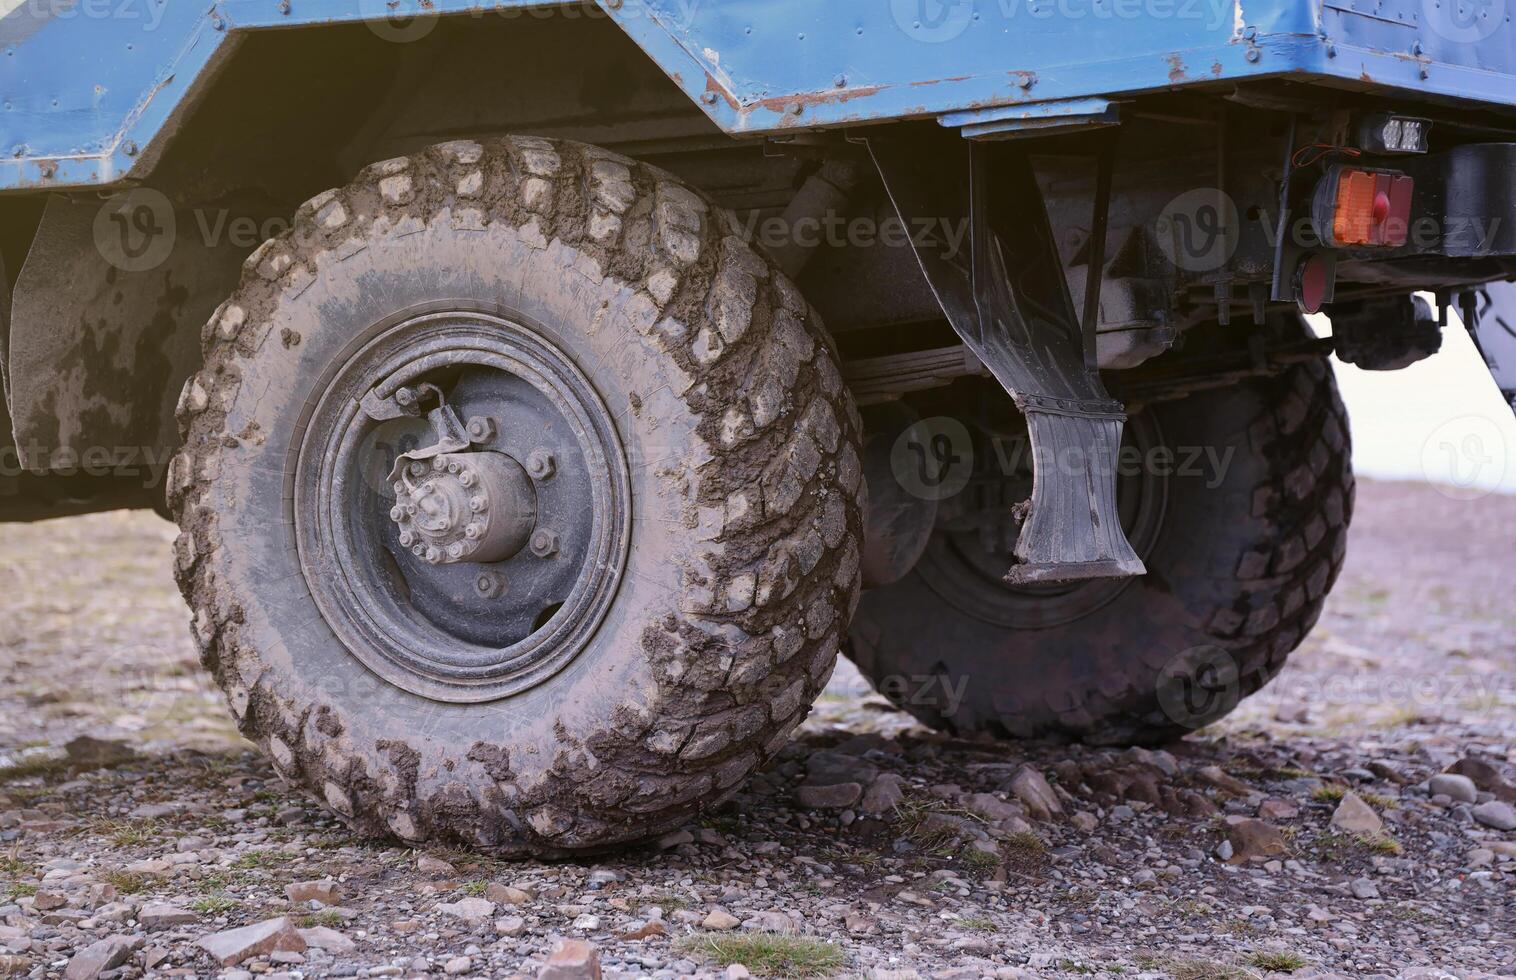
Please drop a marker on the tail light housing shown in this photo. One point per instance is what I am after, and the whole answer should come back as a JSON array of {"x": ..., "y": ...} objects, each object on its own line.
[{"x": 1355, "y": 207}]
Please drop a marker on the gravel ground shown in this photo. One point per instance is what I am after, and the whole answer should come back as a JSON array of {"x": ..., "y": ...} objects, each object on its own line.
[{"x": 1305, "y": 835}]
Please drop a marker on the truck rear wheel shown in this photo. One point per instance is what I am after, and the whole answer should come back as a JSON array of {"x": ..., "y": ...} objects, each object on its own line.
[
  {"x": 1239, "y": 504},
  {"x": 519, "y": 500}
]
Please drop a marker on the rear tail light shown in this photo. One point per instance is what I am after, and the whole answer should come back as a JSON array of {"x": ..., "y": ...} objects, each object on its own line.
[{"x": 1357, "y": 208}]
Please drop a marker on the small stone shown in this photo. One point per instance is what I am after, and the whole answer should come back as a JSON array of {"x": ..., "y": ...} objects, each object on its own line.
[
  {"x": 436, "y": 867},
  {"x": 458, "y": 965},
  {"x": 507, "y": 894},
  {"x": 1458, "y": 788},
  {"x": 86, "y": 752},
  {"x": 161, "y": 915},
  {"x": 720, "y": 920},
  {"x": 320, "y": 937},
  {"x": 1032, "y": 789},
  {"x": 836, "y": 797},
  {"x": 1255, "y": 839},
  {"x": 260, "y": 939},
  {"x": 1085, "y": 822},
  {"x": 1355, "y": 816},
  {"x": 676, "y": 838},
  {"x": 572, "y": 959},
  {"x": 886, "y": 792},
  {"x": 49, "y": 900},
  {"x": 510, "y": 925},
  {"x": 1496, "y": 813},
  {"x": 991, "y": 807},
  {"x": 326, "y": 892},
  {"x": 1363, "y": 888},
  {"x": 469, "y": 909},
  {"x": 107, "y": 954},
  {"x": 739, "y": 972},
  {"x": 1277, "y": 810}
]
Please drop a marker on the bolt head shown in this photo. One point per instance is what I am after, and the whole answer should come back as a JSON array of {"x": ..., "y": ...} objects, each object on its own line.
[
  {"x": 466, "y": 478},
  {"x": 407, "y": 539},
  {"x": 455, "y": 550},
  {"x": 489, "y": 584},
  {"x": 397, "y": 513},
  {"x": 418, "y": 468},
  {"x": 544, "y": 543},
  {"x": 473, "y": 530},
  {"x": 405, "y": 397},
  {"x": 439, "y": 464},
  {"x": 540, "y": 464},
  {"x": 477, "y": 504},
  {"x": 481, "y": 428}
]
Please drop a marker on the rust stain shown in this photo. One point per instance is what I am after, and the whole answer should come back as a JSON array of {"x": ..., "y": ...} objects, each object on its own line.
[
  {"x": 786, "y": 104},
  {"x": 1176, "y": 68}
]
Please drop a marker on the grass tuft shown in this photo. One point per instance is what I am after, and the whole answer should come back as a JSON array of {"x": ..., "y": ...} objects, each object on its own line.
[
  {"x": 768, "y": 954},
  {"x": 1278, "y": 961},
  {"x": 125, "y": 882},
  {"x": 214, "y": 905}
]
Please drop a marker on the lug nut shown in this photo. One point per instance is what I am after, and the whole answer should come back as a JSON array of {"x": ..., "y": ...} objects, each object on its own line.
[
  {"x": 540, "y": 464},
  {"x": 407, "y": 539},
  {"x": 433, "y": 555},
  {"x": 405, "y": 397},
  {"x": 453, "y": 468},
  {"x": 439, "y": 464},
  {"x": 397, "y": 513},
  {"x": 473, "y": 531},
  {"x": 418, "y": 468},
  {"x": 481, "y": 428},
  {"x": 477, "y": 504},
  {"x": 455, "y": 550},
  {"x": 489, "y": 584},
  {"x": 466, "y": 478},
  {"x": 544, "y": 543}
]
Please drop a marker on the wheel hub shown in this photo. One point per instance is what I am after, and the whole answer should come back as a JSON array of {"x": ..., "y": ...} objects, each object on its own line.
[{"x": 477, "y": 507}]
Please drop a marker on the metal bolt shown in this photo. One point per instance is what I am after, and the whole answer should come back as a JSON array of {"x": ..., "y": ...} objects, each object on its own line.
[
  {"x": 129, "y": 148},
  {"x": 477, "y": 504},
  {"x": 1253, "y": 54},
  {"x": 709, "y": 98},
  {"x": 795, "y": 108},
  {"x": 544, "y": 543},
  {"x": 418, "y": 468},
  {"x": 419, "y": 550},
  {"x": 481, "y": 428},
  {"x": 433, "y": 555},
  {"x": 405, "y": 397},
  {"x": 397, "y": 513},
  {"x": 284, "y": 6},
  {"x": 489, "y": 584},
  {"x": 840, "y": 81},
  {"x": 1024, "y": 81},
  {"x": 473, "y": 530},
  {"x": 540, "y": 464},
  {"x": 454, "y": 468},
  {"x": 466, "y": 478},
  {"x": 455, "y": 550},
  {"x": 439, "y": 464}
]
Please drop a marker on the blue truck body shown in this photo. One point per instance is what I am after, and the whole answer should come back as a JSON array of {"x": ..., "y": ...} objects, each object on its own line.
[{"x": 92, "y": 88}]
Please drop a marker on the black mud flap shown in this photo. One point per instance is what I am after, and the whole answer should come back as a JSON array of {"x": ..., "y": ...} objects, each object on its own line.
[
  {"x": 1490, "y": 315},
  {"x": 1009, "y": 301}
]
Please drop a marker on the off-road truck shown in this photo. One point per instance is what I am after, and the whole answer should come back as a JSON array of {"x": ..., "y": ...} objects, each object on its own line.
[{"x": 547, "y": 392}]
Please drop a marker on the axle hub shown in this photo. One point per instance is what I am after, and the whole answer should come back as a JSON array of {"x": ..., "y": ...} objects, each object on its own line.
[{"x": 457, "y": 507}]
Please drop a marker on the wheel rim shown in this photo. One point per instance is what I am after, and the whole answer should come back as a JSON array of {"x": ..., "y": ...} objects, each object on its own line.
[
  {"x": 968, "y": 574},
  {"x": 462, "y": 617}
]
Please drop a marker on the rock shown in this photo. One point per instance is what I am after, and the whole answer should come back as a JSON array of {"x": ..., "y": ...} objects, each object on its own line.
[
  {"x": 507, "y": 894},
  {"x": 1363, "y": 888},
  {"x": 1355, "y": 816},
  {"x": 1029, "y": 786},
  {"x": 645, "y": 930},
  {"x": 1224, "y": 850},
  {"x": 769, "y": 922},
  {"x": 107, "y": 954},
  {"x": 1215, "y": 776},
  {"x": 737, "y": 972},
  {"x": 1496, "y": 813},
  {"x": 1277, "y": 810},
  {"x": 572, "y": 959},
  {"x": 49, "y": 900},
  {"x": 991, "y": 807},
  {"x": 260, "y": 939},
  {"x": 161, "y": 915},
  {"x": 885, "y": 793},
  {"x": 436, "y": 867},
  {"x": 826, "y": 768},
  {"x": 85, "y": 752},
  {"x": 676, "y": 838},
  {"x": 1485, "y": 776},
  {"x": 1456, "y": 787},
  {"x": 469, "y": 909},
  {"x": 510, "y": 925},
  {"x": 326, "y": 892},
  {"x": 320, "y": 937},
  {"x": 720, "y": 919},
  {"x": 1255, "y": 839},
  {"x": 838, "y": 796},
  {"x": 458, "y": 965},
  {"x": 1085, "y": 822}
]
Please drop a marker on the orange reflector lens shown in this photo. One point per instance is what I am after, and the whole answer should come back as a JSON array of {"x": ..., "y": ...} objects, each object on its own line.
[{"x": 1373, "y": 208}]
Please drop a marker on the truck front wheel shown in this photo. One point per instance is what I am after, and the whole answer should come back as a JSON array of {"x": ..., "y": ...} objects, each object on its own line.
[
  {"x": 519, "y": 500},
  {"x": 1238, "y": 501}
]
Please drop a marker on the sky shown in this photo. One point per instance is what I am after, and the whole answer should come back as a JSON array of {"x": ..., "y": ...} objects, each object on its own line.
[{"x": 1440, "y": 420}]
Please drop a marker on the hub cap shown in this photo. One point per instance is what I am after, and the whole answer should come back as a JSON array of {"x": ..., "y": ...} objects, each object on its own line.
[{"x": 462, "y": 560}]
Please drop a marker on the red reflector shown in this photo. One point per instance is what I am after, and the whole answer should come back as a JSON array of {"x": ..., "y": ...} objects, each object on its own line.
[
  {"x": 1311, "y": 284},
  {"x": 1373, "y": 208}
]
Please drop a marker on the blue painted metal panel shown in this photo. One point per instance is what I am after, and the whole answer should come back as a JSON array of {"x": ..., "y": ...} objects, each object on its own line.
[{"x": 89, "y": 87}]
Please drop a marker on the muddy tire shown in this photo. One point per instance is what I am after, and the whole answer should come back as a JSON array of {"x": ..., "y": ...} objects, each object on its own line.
[
  {"x": 1241, "y": 548},
  {"x": 704, "y": 498}
]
